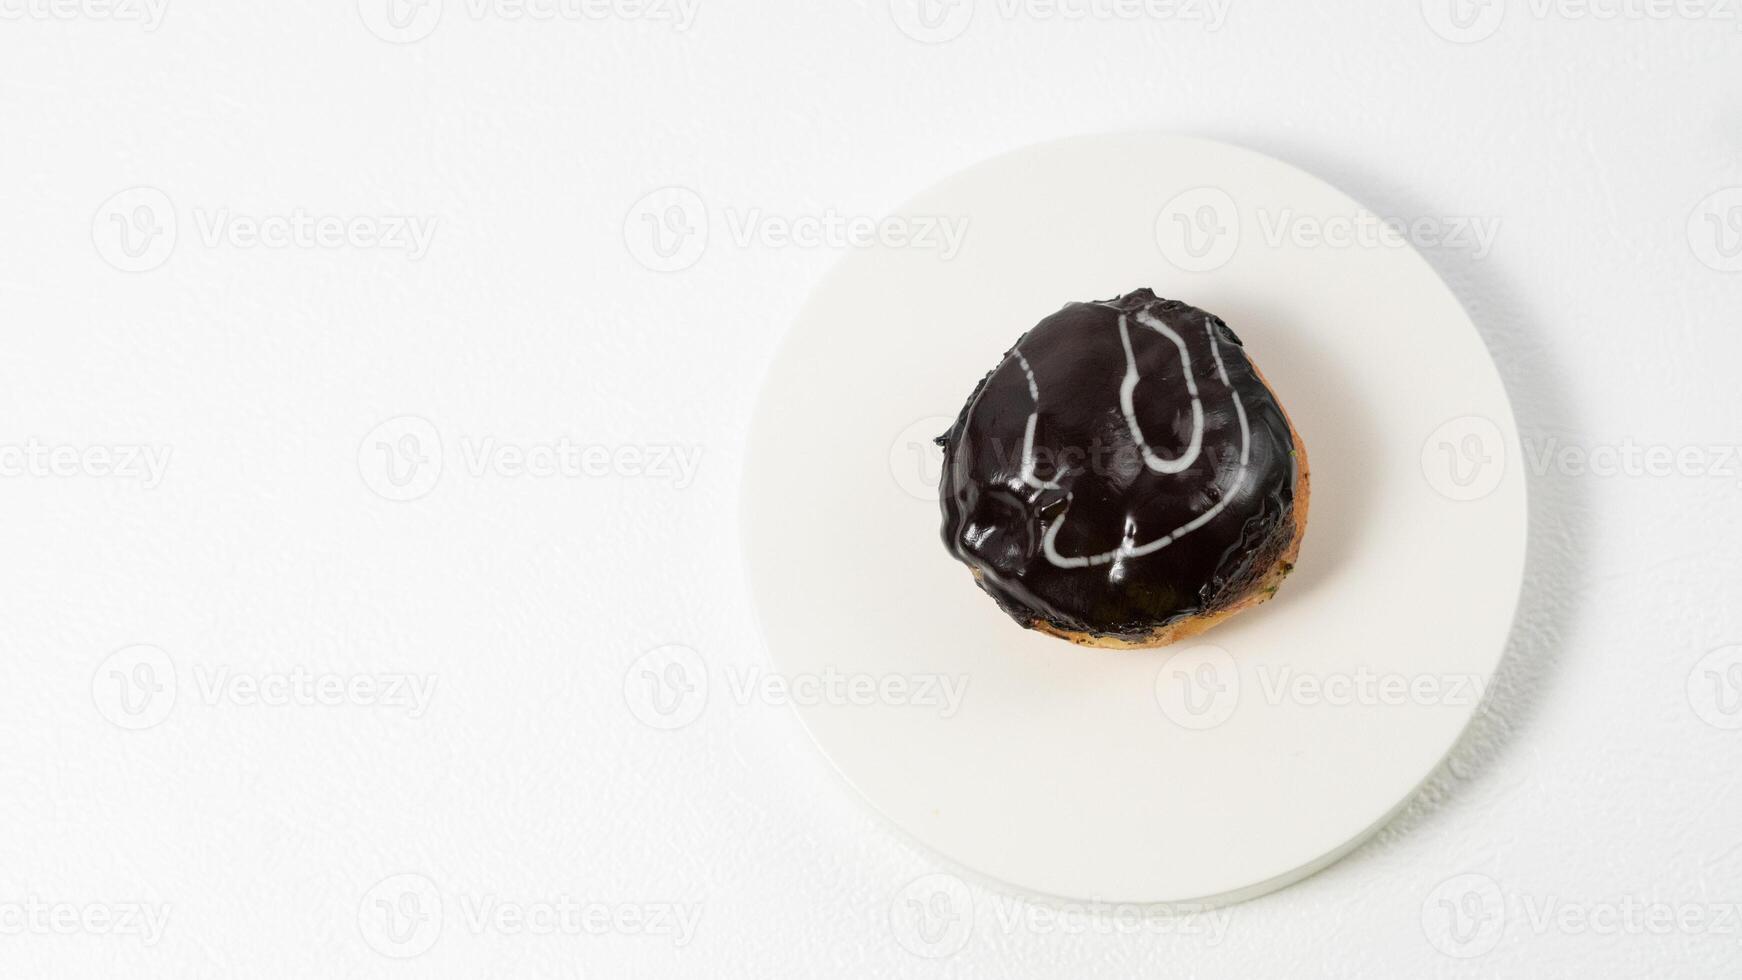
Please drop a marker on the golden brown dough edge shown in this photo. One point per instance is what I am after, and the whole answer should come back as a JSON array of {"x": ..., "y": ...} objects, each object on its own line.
[{"x": 1261, "y": 590}]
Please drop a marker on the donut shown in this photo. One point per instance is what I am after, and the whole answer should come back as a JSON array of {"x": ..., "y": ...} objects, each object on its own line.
[{"x": 1125, "y": 477}]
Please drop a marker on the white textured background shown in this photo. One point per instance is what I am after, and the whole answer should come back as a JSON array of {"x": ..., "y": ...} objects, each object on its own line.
[{"x": 1597, "y": 798}]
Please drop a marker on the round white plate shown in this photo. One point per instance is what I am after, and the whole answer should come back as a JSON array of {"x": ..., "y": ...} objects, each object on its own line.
[{"x": 1242, "y": 760}]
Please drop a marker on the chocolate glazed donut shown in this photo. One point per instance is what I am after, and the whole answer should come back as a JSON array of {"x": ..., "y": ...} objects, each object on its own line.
[{"x": 1125, "y": 477}]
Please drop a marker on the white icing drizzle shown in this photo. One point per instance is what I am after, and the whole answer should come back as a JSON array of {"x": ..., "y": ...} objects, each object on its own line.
[
  {"x": 1239, "y": 406},
  {"x": 1156, "y": 463},
  {"x": 1028, "y": 476},
  {"x": 1127, "y": 549}
]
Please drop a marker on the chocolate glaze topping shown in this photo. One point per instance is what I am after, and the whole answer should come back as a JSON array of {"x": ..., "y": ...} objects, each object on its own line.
[{"x": 1122, "y": 468}]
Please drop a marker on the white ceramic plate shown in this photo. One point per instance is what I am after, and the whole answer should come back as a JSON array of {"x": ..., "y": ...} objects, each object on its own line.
[{"x": 1238, "y": 762}]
